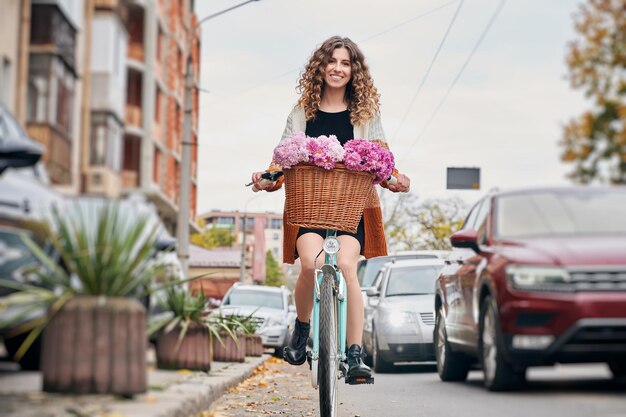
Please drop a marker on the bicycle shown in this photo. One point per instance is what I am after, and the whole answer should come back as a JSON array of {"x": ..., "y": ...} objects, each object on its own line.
[{"x": 327, "y": 359}]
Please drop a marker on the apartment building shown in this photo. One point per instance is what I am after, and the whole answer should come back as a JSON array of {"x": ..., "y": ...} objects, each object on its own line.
[
  {"x": 101, "y": 84},
  {"x": 9, "y": 52},
  {"x": 263, "y": 232}
]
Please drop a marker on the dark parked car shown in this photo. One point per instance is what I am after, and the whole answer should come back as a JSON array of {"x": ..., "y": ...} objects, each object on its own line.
[
  {"x": 537, "y": 277},
  {"x": 27, "y": 202}
]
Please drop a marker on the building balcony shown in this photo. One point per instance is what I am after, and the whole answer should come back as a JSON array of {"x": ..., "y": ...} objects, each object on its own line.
[
  {"x": 101, "y": 180},
  {"x": 135, "y": 51},
  {"x": 106, "y": 4},
  {"x": 161, "y": 10},
  {"x": 157, "y": 132},
  {"x": 58, "y": 156},
  {"x": 134, "y": 115},
  {"x": 158, "y": 70},
  {"x": 130, "y": 179}
]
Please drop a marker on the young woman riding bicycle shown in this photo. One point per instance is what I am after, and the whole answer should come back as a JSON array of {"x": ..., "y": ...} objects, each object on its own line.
[{"x": 337, "y": 97}]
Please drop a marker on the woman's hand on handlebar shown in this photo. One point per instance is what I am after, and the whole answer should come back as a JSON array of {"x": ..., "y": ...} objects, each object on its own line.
[
  {"x": 402, "y": 185},
  {"x": 259, "y": 183},
  {"x": 264, "y": 180}
]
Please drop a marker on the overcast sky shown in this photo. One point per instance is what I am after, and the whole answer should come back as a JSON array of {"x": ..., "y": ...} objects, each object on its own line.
[{"x": 504, "y": 114}]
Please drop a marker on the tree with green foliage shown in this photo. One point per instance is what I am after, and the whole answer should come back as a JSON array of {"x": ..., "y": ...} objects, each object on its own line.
[
  {"x": 213, "y": 237},
  {"x": 410, "y": 225},
  {"x": 595, "y": 141},
  {"x": 436, "y": 220},
  {"x": 273, "y": 274}
]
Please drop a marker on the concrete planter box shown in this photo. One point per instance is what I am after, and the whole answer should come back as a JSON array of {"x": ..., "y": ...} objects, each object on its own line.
[
  {"x": 254, "y": 345},
  {"x": 194, "y": 351},
  {"x": 231, "y": 351},
  {"x": 96, "y": 345}
]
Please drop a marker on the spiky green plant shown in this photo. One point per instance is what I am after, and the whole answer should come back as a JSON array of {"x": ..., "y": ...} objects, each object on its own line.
[
  {"x": 103, "y": 253},
  {"x": 247, "y": 325},
  {"x": 184, "y": 308}
]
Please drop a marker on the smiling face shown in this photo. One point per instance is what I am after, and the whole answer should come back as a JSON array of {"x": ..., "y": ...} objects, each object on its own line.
[{"x": 338, "y": 71}]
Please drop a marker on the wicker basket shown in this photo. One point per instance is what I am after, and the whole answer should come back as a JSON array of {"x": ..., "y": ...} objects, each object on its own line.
[{"x": 325, "y": 199}]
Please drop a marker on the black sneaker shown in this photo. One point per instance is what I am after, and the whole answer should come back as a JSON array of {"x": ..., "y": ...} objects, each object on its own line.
[
  {"x": 356, "y": 368},
  {"x": 295, "y": 352}
]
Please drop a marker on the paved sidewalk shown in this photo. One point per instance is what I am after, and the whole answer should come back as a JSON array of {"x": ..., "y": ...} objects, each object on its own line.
[{"x": 170, "y": 394}]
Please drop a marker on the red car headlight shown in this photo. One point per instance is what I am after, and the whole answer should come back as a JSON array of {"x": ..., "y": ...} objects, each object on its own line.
[{"x": 538, "y": 278}]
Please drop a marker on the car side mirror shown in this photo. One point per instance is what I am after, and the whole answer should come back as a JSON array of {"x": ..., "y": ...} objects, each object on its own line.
[
  {"x": 292, "y": 308},
  {"x": 165, "y": 245},
  {"x": 465, "y": 239},
  {"x": 372, "y": 292},
  {"x": 19, "y": 154}
]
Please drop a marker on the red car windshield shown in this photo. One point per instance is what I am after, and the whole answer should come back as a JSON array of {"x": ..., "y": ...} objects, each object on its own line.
[{"x": 546, "y": 213}]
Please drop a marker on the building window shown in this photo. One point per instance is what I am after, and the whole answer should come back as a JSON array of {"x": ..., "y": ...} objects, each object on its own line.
[
  {"x": 276, "y": 236},
  {"x": 161, "y": 44},
  {"x": 249, "y": 222},
  {"x": 106, "y": 141},
  {"x": 156, "y": 169},
  {"x": 64, "y": 83},
  {"x": 50, "y": 92},
  {"x": 275, "y": 224},
  {"x": 224, "y": 222},
  {"x": 132, "y": 149},
  {"x": 49, "y": 26},
  {"x": 5, "y": 80},
  {"x": 158, "y": 105}
]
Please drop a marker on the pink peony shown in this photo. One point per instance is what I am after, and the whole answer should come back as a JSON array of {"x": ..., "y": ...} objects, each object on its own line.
[
  {"x": 365, "y": 155},
  {"x": 325, "y": 151},
  {"x": 292, "y": 151}
]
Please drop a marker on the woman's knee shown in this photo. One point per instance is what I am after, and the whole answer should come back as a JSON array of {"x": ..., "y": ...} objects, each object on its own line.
[
  {"x": 348, "y": 269},
  {"x": 307, "y": 268}
]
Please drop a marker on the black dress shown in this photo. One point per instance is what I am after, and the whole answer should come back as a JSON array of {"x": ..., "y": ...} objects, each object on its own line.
[{"x": 337, "y": 124}]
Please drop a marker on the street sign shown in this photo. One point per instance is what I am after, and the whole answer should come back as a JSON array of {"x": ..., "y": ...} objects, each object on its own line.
[{"x": 463, "y": 179}]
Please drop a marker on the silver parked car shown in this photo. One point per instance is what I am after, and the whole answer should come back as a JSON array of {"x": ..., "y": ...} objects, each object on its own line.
[
  {"x": 399, "y": 317},
  {"x": 273, "y": 305}
]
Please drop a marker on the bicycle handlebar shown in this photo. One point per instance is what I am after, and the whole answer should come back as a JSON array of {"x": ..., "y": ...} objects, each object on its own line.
[{"x": 269, "y": 177}]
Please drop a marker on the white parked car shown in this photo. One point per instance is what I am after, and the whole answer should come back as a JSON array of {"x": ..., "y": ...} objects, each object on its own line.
[
  {"x": 273, "y": 305},
  {"x": 399, "y": 317}
]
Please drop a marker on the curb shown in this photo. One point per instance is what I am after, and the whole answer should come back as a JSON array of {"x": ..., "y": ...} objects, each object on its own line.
[
  {"x": 196, "y": 394},
  {"x": 170, "y": 394}
]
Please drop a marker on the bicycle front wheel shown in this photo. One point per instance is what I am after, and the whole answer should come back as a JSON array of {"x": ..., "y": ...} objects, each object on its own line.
[{"x": 328, "y": 360}]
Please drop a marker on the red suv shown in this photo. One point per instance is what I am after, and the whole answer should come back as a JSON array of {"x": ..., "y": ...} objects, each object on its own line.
[{"x": 536, "y": 277}]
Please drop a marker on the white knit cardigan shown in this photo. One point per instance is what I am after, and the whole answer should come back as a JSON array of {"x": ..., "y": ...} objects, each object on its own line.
[{"x": 296, "y": 122}]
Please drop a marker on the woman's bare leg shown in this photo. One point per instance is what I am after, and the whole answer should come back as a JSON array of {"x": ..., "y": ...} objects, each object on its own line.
[
  {"x": 348, "y": 257},
  {"x": 308, "y": 245}
]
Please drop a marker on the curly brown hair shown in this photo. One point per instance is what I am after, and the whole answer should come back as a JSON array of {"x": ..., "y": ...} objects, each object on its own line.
[{"x": 361, "y": 95}]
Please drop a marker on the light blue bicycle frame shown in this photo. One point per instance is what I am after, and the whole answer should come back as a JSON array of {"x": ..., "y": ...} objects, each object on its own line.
[{"x": 341, "y": 298}]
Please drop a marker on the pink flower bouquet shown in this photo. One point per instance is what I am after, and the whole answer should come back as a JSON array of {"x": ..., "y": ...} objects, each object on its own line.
[
  {"x": 323, "y": 151},
  {"x": 326, "y": 151},
  {"x": 365, "y": 155}
]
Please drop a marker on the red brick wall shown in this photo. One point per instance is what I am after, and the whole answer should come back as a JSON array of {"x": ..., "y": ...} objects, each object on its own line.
[{"x": 173, "y": 13}]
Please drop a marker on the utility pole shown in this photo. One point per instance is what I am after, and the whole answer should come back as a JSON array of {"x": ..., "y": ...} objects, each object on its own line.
[
  {"x": 242, "y": 267},
  {"x": 182, "y": 228},
  {"x": 185, "y": 175}
]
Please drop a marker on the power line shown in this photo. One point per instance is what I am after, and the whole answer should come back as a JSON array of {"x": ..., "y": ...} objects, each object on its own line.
[
  {"x": 458, "y": 75},
  {"x": 408, "y": 21},
  {"x": 432, "y": 62},
  {"x": 424, "y": 14}
]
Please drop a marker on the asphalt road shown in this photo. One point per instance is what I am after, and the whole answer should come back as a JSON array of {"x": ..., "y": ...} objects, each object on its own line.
[{"x": 416, "y": 391}]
